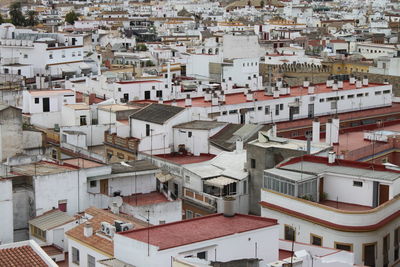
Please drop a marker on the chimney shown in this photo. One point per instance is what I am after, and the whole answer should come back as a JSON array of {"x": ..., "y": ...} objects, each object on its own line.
[
  {"x": 334, "y": 86},
  {"x": 335, "y": 130},
  {"x": 214, "y": 100},
  {"x": 358, "y": 83},
  {"x": 37, "y": 81},
  {"x": 207, "y": 95},
  {"x": 249, "y": 97},
  {"x": 188, "y": 101},
  {"x": 279, "y": 82},
  {"x": 328, "y": 132},
  {"x": 316, "y": 130},
  {"x": 229, "y": 206},
  {"x": 239, "y": 145},
  {"x": 352, "y": 79},
  {"x": 276, "y": 92},
  {"x": 329, "y": 82},
  {"x": 340, "y": 84},
  {"x": 365, "y": 81},
  {"x": 331, "y": 157},
  {"x": 311, "y": 89},
  {"x": 114, "y": 208},
  {"x": 306, "y": 83},
  {"x": 88, "y": 229}
]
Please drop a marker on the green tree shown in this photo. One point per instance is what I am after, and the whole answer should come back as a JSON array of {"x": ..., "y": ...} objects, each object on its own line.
[
  {"x": 31, "y": 19},
  {"x": 71, "y": 17},
  {"x": 17, "y": 18}
]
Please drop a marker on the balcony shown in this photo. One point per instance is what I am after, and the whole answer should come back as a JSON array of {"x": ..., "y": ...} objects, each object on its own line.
[
  {"x": 129, "y": 144},
  {"x": 201, "y": 198}
]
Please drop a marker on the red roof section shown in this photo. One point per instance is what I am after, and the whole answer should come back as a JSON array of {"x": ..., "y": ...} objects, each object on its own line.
[
  {"x": 145, "y": 199},
  {"x": 237, "y": 98},
  {"x": 23, "y": 256},
  {"x": 186, "y": 159},
  {"x": 200, "y": 229}
]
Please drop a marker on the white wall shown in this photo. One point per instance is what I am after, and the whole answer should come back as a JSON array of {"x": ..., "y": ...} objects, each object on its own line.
[
  {"x": 84, "y": 251},
  {"x": 6, "y": 209}
]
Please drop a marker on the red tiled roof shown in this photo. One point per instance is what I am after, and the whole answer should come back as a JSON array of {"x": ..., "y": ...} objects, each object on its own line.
[
  {"x": 200, "y": 229},
  {"x": 145, "y": 199},
  {"x": 238, "y": 98},
  {"x": 186, "y": 159},
  {"x": 23, "y": 256}
]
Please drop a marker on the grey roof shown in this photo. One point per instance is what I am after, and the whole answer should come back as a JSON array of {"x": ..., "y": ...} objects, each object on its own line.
[
  {"x": 317, "y": 168},
  {"x": 157, "y": 113},
  {"x": 134, "y": 166},
  {"x": 290, "y": 175},
  {"x": 226, "y": 138},
  {"x": 200, "y": 125},
  {"x": 51, "y": 219},
  {"x": 113, "y": 262}
]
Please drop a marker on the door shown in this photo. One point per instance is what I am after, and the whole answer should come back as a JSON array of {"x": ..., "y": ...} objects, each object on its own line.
[
  {"x": 369, "y": 255},
  {"x": 311, "y": 110},
  {"x": 126, "y": 97},
  {"x": 46, "y": 104},
  {"x": 104, "y": 187},
  {"x": 146, "y": 94},
  {"x": 383, "y": 193},
  {"x": 58, "y": 238},
  {"x": 321, "y": 189}
]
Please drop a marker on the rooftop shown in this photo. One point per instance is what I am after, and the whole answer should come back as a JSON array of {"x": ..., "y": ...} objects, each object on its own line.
[
  {"x": 145, "y": 199},
  {"x": 185, "y": 159},
  {"x": 51, "y": 219},
  {"x": 133, "y": 166},
  {"x": 82, "y": 163},
  {"x": 50, "y": 92},
  {"x": 157, "y": 113},
  {"x": 200, "y": 229},
  {"x": 21, "y": 256},
  {"x": 118, "y": 107},
  {"x": 41, "y": 168},
  {"x": 238, "y": 98},
  {"x": 97, "y": 241},
  {"x": 79, "y": 106},
  {"x": 200, "y": 125}
]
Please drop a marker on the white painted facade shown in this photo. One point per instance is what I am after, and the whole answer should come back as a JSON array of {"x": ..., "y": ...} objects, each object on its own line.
[{"x": 6, "y": 208}]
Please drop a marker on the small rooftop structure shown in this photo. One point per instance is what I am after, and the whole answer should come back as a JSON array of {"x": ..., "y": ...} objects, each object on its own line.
[
  {"x": 51, "y": 219},
  {"x": 157, "y": 113}
]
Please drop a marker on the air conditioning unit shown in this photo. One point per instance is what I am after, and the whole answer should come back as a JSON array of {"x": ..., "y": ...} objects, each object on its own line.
[
  {"x": 118, "y": 225},
  {"x": 107, "y": 229},
  {"x": 126, "y": 227}
]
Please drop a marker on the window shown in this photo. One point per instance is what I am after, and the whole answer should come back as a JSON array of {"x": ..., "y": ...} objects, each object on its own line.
[
  {"x": 290, "y": 233},
  {"x": 357, "y": 183},
  {"x": 197, "y": 215},
  {"x": 189, "y": 214},
  {"x": 6, "y": 71},
  {"x": 187, "y": 179},
  {"x": 36, "y": 100},
  {"x": 259, "y": 108},
  {"x": 202, "y": 255},
  {"x": 161, "y": 222},
  {"x": 321, "y": 100},
  {"x": 333, "y": 105},
  {"x": 378, "y": 93},
  {"x": 159, "y": 93},
  {"x": 63, "y": 54},
  {"x": 153, "y": 87},
  {"x": 83, "y": 120},
  {"x": 233, "y": 111},
  {"x": 119, "y": 89},
  {"x": 252, "y": 163},
  {"x": 75, "y": 255},
  {"x": 386, "y": 92},
  {"x": 189, "y": 134},
  {"x": 315, "y": 240},
  {"x": 267, "y": 110},
  {"x": 244, "y": 187},
  {"x": 62, "y": 205},
  {"x": 50, "y": 56},
  {"x": 37, "y": 232},
  {"x": 73, "y": 54},
  {"x": 93, "y": 184},
  {"x": 344, "y": 246},
  {"x": 396, "y": 243},
  {"x": 350, "y": 96},
  {"x": 276, "y": 110},
  {"x": 281, "y": 106},
  {"x": 366, "y": 94},
  {"x": 147, "y": 130},
  {"x": 91, "y": 261},
  {"x": 360, "y": 95}
]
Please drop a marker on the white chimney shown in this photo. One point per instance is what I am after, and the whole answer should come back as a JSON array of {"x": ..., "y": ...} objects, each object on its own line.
[
  {"x": 239, "y": 145},
  {"x": 214, "y": 100},
  {"x": 358, "y": 83},
  {"x": 276, "y": 93},
  {"x": 188, "y": 101},
  {"x": 306, "y": 83},
  {"x": 37, "y": 81},
  {"x": 249, "y": 96},
  {"x": 334, "y": 86},
  {"x": 311, "y": 89},
  {"x": 352, "y": 79},
  {"x": 329, "y": 82},
  {"x": 316, "y": 130},
  {"x": 335, "y": 130},
  {"x": 365, "y": 81},
  {"x": 114, "y": 208},
  {"x": 331, "y": 157},
  {"x": 340, "y": 84},
  {"x": 229, "y": 206},
  {"x": 88, "y": 229}
]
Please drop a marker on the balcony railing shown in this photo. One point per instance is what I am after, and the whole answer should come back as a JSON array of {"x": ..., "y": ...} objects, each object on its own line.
[
  {"x": 128, "y": 143},
  {"x": 201, "y": 198}
]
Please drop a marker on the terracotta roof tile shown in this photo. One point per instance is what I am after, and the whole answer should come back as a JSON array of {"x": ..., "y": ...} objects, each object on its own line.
[{"x": 23, "y": 256}]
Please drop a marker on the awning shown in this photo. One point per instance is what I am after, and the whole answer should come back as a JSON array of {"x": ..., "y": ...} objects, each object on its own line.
[
  {"x": 219, "y": 181},
  {"x": 67, "y": 69},
  {"x": 164, "y": 177},
  {"x": 84, "y": 66}
]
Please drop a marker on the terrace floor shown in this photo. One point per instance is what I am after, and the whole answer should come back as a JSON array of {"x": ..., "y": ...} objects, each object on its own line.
[{"x": 344, "y": 206}]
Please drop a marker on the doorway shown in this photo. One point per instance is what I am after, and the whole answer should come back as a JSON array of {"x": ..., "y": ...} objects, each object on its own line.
[
  {"x": 46, "y": 104},
  {"x": 104, "y": 187},
  {"x": 369, "y": 254},
  {"x": 383, "y": 193}
]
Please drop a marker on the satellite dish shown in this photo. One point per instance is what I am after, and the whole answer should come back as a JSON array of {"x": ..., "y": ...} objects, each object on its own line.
[{"x": 117, "y": 200}]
